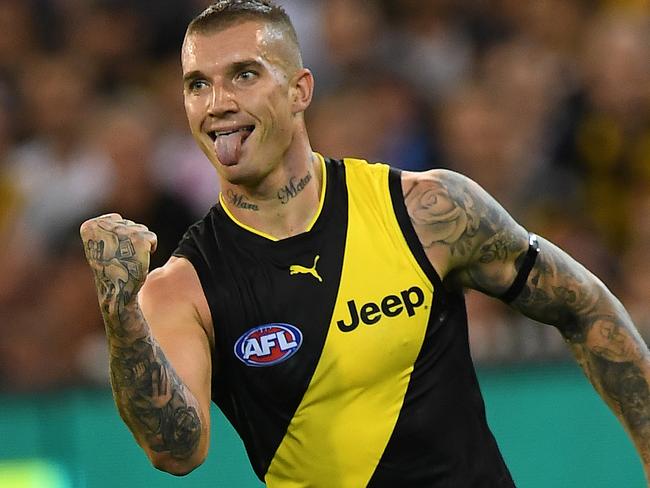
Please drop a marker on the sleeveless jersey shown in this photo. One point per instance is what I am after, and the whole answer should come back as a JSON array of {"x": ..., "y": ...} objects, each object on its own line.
[{"x": 340, "y": 358}]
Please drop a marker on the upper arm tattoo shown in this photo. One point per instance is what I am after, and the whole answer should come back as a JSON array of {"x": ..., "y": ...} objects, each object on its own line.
[
  {"x": 443, "y": 215},
  {"x": 452, "y": 213}
]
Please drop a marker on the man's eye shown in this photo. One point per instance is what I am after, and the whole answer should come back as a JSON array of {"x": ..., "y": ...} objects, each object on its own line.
[
  {"x": 197, "y": 85},
  {"x": 247, "y": 75}
]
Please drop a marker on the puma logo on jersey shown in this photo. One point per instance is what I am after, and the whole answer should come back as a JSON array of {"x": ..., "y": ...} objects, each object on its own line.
[
  {"x": 298, "y": 269},
  {"x": 390, "y": 306}
]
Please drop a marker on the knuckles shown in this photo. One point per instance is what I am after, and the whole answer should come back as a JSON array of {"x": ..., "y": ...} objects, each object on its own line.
[{"x": 110, "y": 226}]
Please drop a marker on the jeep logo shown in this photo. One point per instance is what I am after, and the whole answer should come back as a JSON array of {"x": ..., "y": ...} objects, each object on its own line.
[{"x": 391, "y": 306}]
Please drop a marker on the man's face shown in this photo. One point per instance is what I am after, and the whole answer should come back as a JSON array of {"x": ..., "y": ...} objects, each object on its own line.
[{"x": 237, "y": 96}]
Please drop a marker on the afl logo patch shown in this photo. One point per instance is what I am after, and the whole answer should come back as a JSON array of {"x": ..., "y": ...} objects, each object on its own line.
[{"x": 268, "y": 344}]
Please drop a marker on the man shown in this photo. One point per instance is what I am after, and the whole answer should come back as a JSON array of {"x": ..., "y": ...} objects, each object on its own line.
[{"x": 320, "y": 303}]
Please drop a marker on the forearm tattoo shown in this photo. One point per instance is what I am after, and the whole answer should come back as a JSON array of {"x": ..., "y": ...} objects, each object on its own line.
[
  {"x": 151, "y": 398},
  {"x": 600, "y": 333},
  {"x": 451, "y": 213}
]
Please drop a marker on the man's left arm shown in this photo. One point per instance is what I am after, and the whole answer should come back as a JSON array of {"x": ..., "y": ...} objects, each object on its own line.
[
  {"x": 561, "y": 292},
  {"x": 464, "y": 230}
]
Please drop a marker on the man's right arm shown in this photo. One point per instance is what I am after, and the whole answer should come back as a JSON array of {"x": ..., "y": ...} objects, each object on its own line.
[{"x": 158, "y": 345}]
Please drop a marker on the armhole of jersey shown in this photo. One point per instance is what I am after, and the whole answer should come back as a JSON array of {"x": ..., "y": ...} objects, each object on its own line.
[
  {"x": 406, "y": 226},
  {"x": 188, "y": 250}
]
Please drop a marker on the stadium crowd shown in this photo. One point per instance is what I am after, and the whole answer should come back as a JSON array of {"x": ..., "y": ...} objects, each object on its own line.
[{"x": 545, "y": 103}]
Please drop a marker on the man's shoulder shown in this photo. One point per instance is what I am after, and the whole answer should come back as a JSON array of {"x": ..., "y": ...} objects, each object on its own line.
[
  {"x": 363, "y": 169},
  {"x": 175, "y": 278},
  {"x": 176, "y": 285},
  {"x": 439, "y": 175}
]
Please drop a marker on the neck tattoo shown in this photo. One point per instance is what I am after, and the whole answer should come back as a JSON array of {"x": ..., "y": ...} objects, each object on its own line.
[
  {"x": 293, "y": 187},
  {"x": 240, "y": 201}
]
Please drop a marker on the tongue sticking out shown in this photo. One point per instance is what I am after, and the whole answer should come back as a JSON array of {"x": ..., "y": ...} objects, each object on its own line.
[{"x": 228, "y": 147}]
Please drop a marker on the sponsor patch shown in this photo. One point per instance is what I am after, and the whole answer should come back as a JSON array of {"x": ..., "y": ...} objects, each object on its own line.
[
  {"x": 268, "y": 344},
  {"x": 390, "y": 306}
]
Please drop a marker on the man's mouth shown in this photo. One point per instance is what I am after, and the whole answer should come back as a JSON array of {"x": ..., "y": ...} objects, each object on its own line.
[
  {"x": 246, "y": 131},
  {"x": 228, "y": 143}
]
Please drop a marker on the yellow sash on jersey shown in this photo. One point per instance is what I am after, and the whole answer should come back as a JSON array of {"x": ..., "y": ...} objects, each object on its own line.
[{"x": 340, "y": 429}]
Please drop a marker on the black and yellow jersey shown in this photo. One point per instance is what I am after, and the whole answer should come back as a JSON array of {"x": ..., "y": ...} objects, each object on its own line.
[{"x": 341, "y": 359}]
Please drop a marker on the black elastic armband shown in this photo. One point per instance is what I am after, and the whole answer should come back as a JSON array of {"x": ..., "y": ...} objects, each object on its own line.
[{"x": 524, "y": 271}]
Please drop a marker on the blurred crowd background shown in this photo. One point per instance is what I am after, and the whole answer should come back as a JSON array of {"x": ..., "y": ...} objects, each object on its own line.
[{"x": 546, "y": 103}]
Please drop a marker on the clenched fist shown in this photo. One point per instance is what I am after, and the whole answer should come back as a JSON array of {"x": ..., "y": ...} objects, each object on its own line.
[{"x": 118, "y": 252}]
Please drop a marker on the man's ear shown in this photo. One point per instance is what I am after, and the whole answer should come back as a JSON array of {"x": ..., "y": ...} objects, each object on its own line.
[{"x": 302, "y": 90}]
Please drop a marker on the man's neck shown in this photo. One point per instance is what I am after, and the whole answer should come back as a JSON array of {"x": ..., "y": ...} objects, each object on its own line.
[{"x": 285, "y": 205}]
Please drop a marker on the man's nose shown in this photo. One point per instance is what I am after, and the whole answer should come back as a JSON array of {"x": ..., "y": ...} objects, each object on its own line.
[{"x": 222, "y": 102}]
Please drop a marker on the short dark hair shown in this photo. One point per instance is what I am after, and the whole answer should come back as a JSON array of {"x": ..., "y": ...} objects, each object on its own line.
[{"x": 225, "y": 13}]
